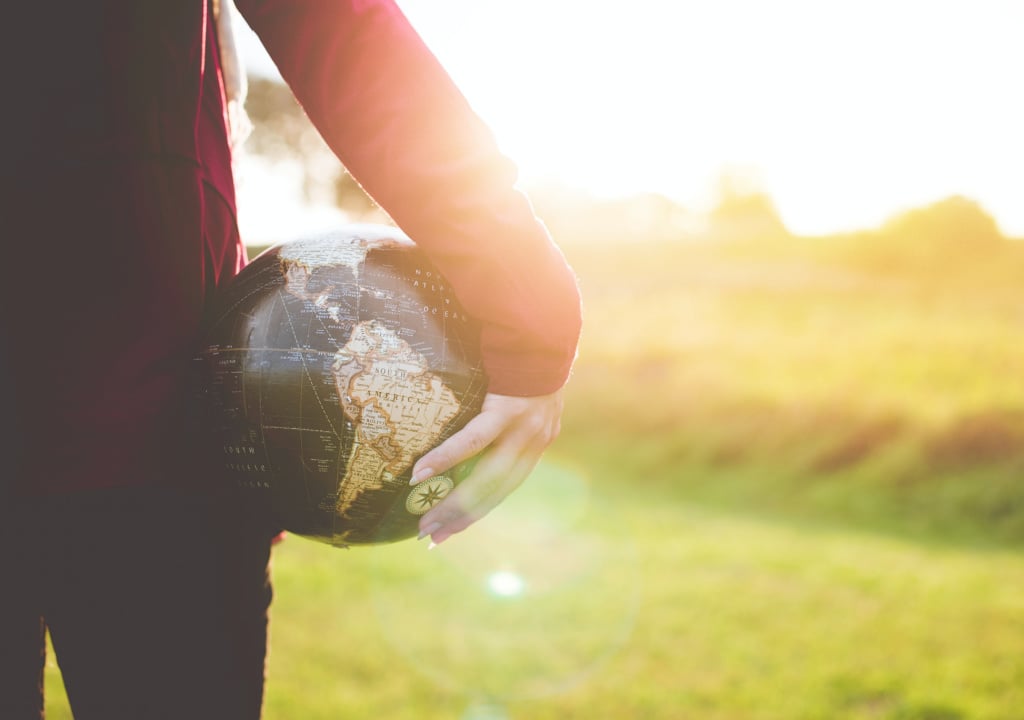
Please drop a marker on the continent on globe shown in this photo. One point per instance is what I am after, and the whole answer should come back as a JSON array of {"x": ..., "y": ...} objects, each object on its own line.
[{"x": 400, "y": 408}]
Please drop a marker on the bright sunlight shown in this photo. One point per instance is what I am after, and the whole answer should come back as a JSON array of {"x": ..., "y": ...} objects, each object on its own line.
[{"x": 848, "y": 112}]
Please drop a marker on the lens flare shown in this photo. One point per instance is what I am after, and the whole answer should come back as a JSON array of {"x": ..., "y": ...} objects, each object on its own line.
[
  {"x": 506, "y": 584},
  {"x": 527, "y": 603}
]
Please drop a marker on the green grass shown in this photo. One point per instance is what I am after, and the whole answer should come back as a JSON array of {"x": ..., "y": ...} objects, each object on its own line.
[
  {"x": 639, "y": 605},
  {"x": 788, "y": 376},
  {"x": 690, "y": 613},
  {"x": 789, "y": 485}
]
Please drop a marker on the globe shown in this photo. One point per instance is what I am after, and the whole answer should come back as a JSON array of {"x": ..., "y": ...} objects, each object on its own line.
[{"x": 330, "y": 365}]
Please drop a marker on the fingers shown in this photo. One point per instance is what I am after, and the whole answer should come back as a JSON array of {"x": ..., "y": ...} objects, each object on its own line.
[
  {"x": 509, "y": 436},
  {"x": 492, "y": 481},
  {"x": 471, "y": 440}
]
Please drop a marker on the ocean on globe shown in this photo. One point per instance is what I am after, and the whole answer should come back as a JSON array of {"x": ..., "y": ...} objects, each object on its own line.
[{"x": 330, "y": 365}]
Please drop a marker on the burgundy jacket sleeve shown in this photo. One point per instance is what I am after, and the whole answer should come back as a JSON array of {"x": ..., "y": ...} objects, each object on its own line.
[{"x": 393, "y": 116}]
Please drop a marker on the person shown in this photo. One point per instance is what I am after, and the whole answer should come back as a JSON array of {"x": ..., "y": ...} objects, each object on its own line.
[{"x": 118, "y": 211}]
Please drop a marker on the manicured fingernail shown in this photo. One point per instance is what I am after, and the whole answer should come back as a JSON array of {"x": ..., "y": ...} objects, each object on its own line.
[
  {"x": 429, "y": 530},
  {"x": 421, "y": 475},
  {"x": 434, "y": 543}
]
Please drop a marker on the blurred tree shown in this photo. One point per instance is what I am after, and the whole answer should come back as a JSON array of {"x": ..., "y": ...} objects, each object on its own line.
[
  {"x": 956, "y": 224},
  {"x": 953, "y": 237},
  {"x": 282, "y": 133},
  {"x": 350, "y": 197},
  {"x": 743, "y": 211},
  {"x": 282, "y": 130}
]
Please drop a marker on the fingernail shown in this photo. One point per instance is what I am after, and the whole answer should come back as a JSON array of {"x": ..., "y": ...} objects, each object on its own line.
[
  {"x": 421, "y": 475},
  {"x": 431, "y": 546},
  {"x": 429, "y": 530}
]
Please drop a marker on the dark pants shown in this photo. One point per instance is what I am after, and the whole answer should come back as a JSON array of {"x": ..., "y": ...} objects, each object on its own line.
[{"x": 156, "y": 603}]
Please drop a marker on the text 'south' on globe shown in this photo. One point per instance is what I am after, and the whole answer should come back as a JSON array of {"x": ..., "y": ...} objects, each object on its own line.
[{"x": 329, "y": 366}]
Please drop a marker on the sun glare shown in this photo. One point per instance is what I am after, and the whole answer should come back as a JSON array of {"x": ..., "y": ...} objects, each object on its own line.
[
  {"x": 504, "y": 583},
  {"x": 849, "y": 112}
]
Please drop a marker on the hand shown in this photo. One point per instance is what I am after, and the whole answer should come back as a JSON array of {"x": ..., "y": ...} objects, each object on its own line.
[{"x": 510, "y": 434}]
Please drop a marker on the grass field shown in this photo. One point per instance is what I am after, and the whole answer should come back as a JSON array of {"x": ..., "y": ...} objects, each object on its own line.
[{"x": 789, "y": 486}]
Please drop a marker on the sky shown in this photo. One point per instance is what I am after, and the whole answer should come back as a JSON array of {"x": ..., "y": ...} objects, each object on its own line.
[{"x": 845, "y": 112}]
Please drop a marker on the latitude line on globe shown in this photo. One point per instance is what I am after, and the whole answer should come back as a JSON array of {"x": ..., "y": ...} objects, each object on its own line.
[{"x": 275, "y": 349}]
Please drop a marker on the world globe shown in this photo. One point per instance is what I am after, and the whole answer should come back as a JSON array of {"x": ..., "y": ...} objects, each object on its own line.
[{"x": 330, "y": 365}]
